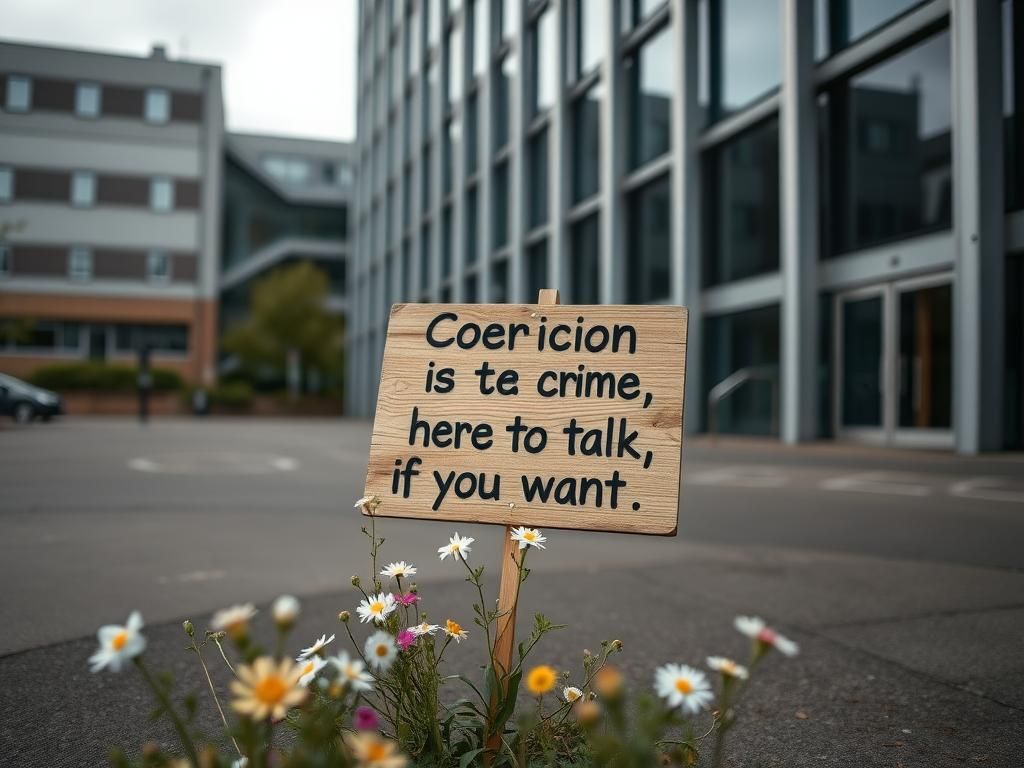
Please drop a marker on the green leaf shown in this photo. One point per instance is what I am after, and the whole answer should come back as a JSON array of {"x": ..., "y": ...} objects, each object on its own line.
[{"x": 467, "y": 758}]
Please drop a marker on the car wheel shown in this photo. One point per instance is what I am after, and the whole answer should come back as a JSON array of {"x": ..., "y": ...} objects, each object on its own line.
[{"x": 24, "y": 413}]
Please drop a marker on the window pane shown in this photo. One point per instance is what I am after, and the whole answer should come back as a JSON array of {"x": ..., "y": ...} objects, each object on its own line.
[
  {"x": 158, "y": 105},
  {"x": 433, "y": 21},
  {"x": 741, "y": 190},
  {"x": 6, "y": 185},
  {"x": 446, "y": 243},
  {"x": 635, "y": 11},
  {"x": 537, "y": 270},
  {"x": 472, "y": 232},
  {"x": 739, "y": 59},
  {"x": 80, "y": 263},
  {"x": 469, "y": 292},
  {"x": 543, "y": 73},
  {"x": 472, "y": 148},
  {"x": 452, "y": 141},
  {"x": 538, "y": 180},
  {"x": 1013, "y": 104},
  {"x": 849, "y": 20},
  {"x": 426, "y": 268},
  {"x": 586, "y": 144},
  {"x": 19, "y": 93},
  {"x": 158, "y": 265},
  {"x": 481, "y": 36},
  {"x": 412, "y": 61},
  {"x": 500, "y": 205},
  {"x": 886, "y": 144},
  {"x": 732, "y": 342},
  {"x": 161, "y": 195},
  {"x": 585, "y": 261},
  {"x": 87, "y": 100},
  {"x": 83, "y": 189},
  {"x": 503, "y": 100},
  {"x": 455, "y": 65},
  {"x": 426, "y": 191},
  {"x": 499, "y": 282},
  {"x": 509, "y": 21},
  {"x": 649, "y": 243},
  {"x": 590, "y": 35},
  {"x": 429, "y": 94},
  {"x": 649, "y": 78}
]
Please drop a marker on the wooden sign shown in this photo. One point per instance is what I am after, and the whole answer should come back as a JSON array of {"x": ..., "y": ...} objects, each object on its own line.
[{"x": 532, "y": 414}]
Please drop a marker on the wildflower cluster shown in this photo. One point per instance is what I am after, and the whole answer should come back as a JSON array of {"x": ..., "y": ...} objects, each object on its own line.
[{"x": 380, "y": 703}]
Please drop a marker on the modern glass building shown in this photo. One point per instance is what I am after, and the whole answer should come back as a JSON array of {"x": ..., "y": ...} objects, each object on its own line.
[{"x": 835, "y": 188}]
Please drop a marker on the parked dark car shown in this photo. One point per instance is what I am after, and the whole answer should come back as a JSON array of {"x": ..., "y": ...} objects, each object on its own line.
[{"x": 24, "y": 402}]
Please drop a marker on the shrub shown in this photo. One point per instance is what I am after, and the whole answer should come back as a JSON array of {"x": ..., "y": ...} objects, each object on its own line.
[
  {"x": 101, "y": 377},
  {"x": 232, "y": 394}
]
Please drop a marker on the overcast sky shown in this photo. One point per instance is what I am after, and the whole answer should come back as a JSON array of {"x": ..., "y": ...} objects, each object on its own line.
[{"x": 289, "y": 65}]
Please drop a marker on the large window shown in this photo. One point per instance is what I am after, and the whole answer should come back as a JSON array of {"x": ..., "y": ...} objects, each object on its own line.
[
  {"x": 412, "y": 41},
  {"x": 537, "y": 205},
  {"x": 585, "y": 261},
  {"x": 161, "y": 194},
  {"x": 508, "y": 21},
  {"x": 455, "y": 65},
  {"x": 635, "y": 11},
  {"x": 161, "y": 338},
  {"x": 886, "y": 150},
  {"x": 742, "y": 340},
  {"x": 649, "y": 243},
  {"x": 19, "y": 93},
  {"x": 501, "y": 201},
  {"x": 158, "y": 105},
  {"x": 158, "y": 266},
  {"x": 738, "y": 53},
  {"x": 481, "y": 47},
  {"x": 472, "y": 227},
  {"x": 741, "y": 192},
  {"x": 543, "y": 73},
  {"x": 87, "y": 100},
  {"x": 589, "y": 38},
  {"x": 586, "y": 144},
  {"x": 841, "y": 22},
  {"x": 1013, "y": 103},
  {"x": 503, "y": 100},
  {"x": 433, "y": 12},
  {"x": 80, "y": 263},
  {"x": 83, "y": 189},
  {"x": 499, "y": 282},
  {"x": 649, "y": 78},
  {"x": 536, "y": 270}
]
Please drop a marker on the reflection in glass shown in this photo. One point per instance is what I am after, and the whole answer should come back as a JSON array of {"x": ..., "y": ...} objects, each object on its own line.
[
  {"x": 412, "y": 41},
  {"x": 538, "y": 180},
  {"x": 861, "y": 382},
  {"x": 537, "y": 269},
  {"x": 586, "y": 144},
  {"x": 649, "y": 78},
  {"x": 543, "y": 74},
  {"x": 649, "y": 243},
  {"x": 454, "y": 65},
  {"x": 590, "y": 36},
  {"x": 503, "y": 100},
  {"x": 1013, "y": 104},
  {"x": 926, "y": 358},
  {"x": 886, "y": 145},
  {"x": 500, "y": 205},
  {"x": 843, "y": 22},
  {"x": 585, "y": 261},
  {"x": 635, "y": 11},
  {"x": 741, "y": 191},
  {"x": 509, "y": 21},
  {"x": 481, "y": 37},
  {"x": 469, "y": 292},
  {"x": 499, "y": 282}
]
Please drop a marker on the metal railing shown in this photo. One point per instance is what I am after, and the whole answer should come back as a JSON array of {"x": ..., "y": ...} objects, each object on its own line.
[{"x": 734, "y": 381}]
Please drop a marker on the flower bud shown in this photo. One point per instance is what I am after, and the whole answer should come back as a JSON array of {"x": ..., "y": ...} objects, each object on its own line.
[
  {"x": 189, "y": 629},
  {"x": 285, "y": 611},
  {"x": 414, "y": 588},
  {"x": 344, "y": 616},
  {"x": 616, "y": 645},
  {"x": 355, "y": 581}
]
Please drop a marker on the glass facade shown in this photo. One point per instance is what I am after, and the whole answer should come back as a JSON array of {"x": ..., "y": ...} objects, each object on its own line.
[
  {"x": 649, "y": 222},
  {"x": 589, "y": 39},
  {"x": 537, "y": 200},
  {"x": 586, "y": 144},
  {"x": 584, "y": 263},
  {"x": 649, "y": 81}
]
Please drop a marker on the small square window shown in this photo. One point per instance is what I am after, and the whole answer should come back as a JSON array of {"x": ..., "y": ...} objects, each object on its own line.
[
  {"x": 5, "y": 259},
  {"x": 19, "y": 93},
  {"x": 87, "y": 100},
  {"x": 158, "y": 105},
  {"x": 83, "y": 189},
  {"x": 6, "y": 185},
  {"x": 158, "y": 266},
  {"x": 161, "y": 195},
  {"x": 80, "y": 264}
]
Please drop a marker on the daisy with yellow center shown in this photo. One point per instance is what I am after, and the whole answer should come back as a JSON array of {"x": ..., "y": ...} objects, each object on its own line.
[
  {"x": 118, "y": 644},
  {"x": 541, "y": 679},
  {"x": 399, "y": 570},
  {"x": 309, "y": 668},
  {"x": 728, "y": 667},
  {"x": 571, "y": 694},
  {"x": 424, "y": 629},
  {"x": 684, "y": 687},
  {"x": 352, "y": 672},
  {"x": 376, "y": 608},
  {"x": 458, "y": 546},
  {"x": 380, "y": 651},
  {"x": 267, "y": 688},
  {"x": 528, "y": 537},
  {"x": 234, "y": 620},
  {"x": 765, "y": 637},
  {"x": 373, "y": 751},
  {"x": 455, "y": 631},
  {"x": 315, "y": 648}
]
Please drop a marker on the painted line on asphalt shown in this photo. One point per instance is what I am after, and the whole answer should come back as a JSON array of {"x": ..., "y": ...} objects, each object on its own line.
[
  {"x": 222, "y": 463},
  {"x": 987, "y": 488},
  {"x": 889, "y": 483},
  {"x": 739, "y": 477}
]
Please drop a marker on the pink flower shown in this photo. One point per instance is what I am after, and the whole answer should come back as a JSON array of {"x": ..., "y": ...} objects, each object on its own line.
[
  {"x": 409, "y": 598},
  {"x": 405, "y": 639},
  {"x": 366, "y": 719}
]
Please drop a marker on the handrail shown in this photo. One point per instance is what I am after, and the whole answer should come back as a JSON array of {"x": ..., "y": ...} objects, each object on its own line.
[{"x": 734, "y": 381}]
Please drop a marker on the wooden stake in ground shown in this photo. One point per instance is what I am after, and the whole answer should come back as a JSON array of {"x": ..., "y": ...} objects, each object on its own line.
[{"x": 508, "y": 592}]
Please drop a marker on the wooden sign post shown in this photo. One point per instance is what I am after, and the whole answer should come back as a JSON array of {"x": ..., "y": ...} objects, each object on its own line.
[{"x": 531, "y": 414}]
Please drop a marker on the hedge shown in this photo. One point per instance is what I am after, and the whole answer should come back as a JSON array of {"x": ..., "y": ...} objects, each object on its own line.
[{"x": 102, "y": 377}]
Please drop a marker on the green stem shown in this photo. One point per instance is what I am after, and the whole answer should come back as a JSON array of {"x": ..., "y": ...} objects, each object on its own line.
[
  {"x": 224, "y": 656},
  {"x": 176, "y": 721},
  {"x": 216, "y": 700}
]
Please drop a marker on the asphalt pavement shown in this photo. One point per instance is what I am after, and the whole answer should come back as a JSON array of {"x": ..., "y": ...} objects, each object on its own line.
[{"x": 899, "y": 572}]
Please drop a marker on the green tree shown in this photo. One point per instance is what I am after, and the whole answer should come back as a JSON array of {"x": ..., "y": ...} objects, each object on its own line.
[{"x": 288, "y": 310}]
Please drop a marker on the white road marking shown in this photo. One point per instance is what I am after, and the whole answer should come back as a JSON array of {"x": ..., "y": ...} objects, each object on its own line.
[
  {"x": 738, "y": 477},
  {"x": 220, "y": 463},
  {"x": 888, "y": 483},
  {"x": 192, "y": 577},
  {"x": 987, "y": 488},
  {"x": 143, "y": 465}
]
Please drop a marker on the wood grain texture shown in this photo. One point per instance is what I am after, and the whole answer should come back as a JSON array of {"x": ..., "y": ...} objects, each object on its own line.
[{"x": 659, "y": 361}]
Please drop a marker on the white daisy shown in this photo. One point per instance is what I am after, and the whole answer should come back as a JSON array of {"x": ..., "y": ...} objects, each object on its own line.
[
  {"x": 755, "y": 628},
  {"x": 424, "y": 629},
  {"x": 683, "y": 687},
  {"x": 233, "y": 620},
  {"x": 367, "y": 503},
  {"x": 399, "y": 570},
  {"x": 455, "y": 631},
  {"x": 285, "y": 610},
  {"x": 572, "y": 693},
  {"x": 380, "y": 651},
  {"x": 352, "y": 672},
  {"x": 376, "y": 607},
  {"x": 458, "y": 546},
  {"x": 118, "y": 644},
  {"x": 528, "y": 537},
  {"x": 315, "y": 648},
  {"x": 728, "y": 667},
  {"x": 309, "y": 668}
]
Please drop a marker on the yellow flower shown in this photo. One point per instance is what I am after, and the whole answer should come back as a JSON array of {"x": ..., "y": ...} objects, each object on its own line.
[
  {"x": 455, "y": 631},
  {"x": 541, "y": 679},
  {"x": 372, "y": 751},
  {"x": 267, "y": 688}
]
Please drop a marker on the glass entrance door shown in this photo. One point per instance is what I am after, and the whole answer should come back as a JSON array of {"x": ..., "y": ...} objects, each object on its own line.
[{"x": 894, "y": 363}]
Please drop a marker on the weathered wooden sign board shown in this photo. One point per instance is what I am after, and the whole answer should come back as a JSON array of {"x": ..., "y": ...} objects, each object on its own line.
[{"x": 544, "y": 415}]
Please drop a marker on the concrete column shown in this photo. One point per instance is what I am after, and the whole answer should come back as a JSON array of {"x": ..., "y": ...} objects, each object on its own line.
[
  {"x": 799, "y": 225},
  {"x": 517, "y": 137},
  {"x": 559, "y": 157},
  {"x": 686, "y": 253},
  {"x": 978, "y": 295},
  {"x": 611, "y": 264}
]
